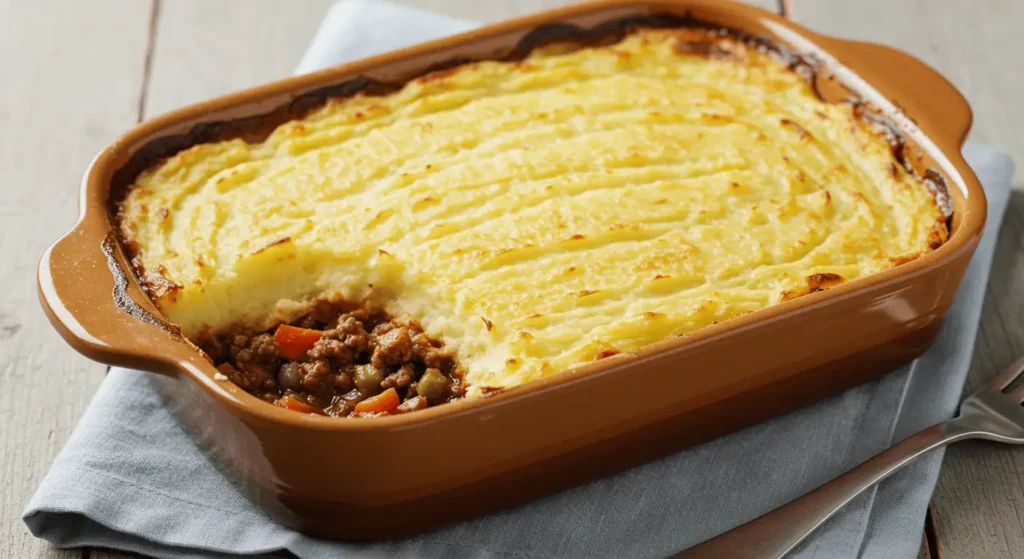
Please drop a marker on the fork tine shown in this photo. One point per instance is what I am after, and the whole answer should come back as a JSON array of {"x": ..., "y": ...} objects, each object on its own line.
[{"x": 1007, "y": 377}]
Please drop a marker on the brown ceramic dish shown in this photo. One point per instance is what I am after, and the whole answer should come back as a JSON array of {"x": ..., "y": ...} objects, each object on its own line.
[{"x": 477, "y": 455}]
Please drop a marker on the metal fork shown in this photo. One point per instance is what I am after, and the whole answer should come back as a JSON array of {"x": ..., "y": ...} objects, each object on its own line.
[{"x": 995, "y": 413}]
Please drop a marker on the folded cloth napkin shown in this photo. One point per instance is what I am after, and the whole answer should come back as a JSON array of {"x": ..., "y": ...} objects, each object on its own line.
[{"x": 129, "y": 478}]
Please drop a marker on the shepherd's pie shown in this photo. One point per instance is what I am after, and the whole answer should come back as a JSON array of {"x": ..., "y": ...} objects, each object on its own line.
[{"x": 519, "y": 218}]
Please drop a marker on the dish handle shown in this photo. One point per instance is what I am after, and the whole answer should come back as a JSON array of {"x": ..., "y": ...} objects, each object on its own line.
[
  {"x": 932, "y": 102},
  {"x": 85, "y": 294}
]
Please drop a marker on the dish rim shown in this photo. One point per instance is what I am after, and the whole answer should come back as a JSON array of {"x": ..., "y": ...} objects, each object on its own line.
[{"x": 167, "y": 358}]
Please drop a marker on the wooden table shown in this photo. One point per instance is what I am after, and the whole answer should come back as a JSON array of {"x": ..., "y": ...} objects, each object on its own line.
[{"x": 76, "y": 74}]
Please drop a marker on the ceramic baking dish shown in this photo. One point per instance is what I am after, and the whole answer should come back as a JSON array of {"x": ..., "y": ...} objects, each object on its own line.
[{"x": 468, "y": 457}]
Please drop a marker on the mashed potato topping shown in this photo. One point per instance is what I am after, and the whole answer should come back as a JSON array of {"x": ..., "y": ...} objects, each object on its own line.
[{"x": 540, "y": 214}]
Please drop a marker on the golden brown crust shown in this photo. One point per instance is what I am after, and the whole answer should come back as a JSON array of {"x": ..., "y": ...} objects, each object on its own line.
[
  {"x": 697, "y": 37},
  {"x": 815, "y": 283}
]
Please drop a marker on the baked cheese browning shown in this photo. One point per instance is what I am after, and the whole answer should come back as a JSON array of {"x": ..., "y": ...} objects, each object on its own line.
[{"x": 540, "y": 214}]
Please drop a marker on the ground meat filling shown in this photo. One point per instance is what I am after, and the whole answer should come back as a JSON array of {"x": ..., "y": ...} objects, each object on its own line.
[{"x": 358, "y": 363}]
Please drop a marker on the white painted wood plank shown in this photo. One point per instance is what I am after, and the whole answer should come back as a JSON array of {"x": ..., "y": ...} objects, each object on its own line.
[
  {"x": 979, "y": 500},
  {"x": 206, "y": 48},
  {"x": 72, "y": 72},
  {"x": 976, "y": 45}
]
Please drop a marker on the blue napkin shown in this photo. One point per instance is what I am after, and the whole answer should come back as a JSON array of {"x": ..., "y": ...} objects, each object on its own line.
[{"x": 129, "y": 478}]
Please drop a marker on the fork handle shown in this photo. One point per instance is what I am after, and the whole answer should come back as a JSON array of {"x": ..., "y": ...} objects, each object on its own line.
[{"x": 776, "y": 533}]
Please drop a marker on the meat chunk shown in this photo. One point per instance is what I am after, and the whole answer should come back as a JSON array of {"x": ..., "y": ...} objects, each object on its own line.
[
  {"x": 413, "y": 404},
  {"x": 316, "y": 377},
  {"x": 351, "y": 331},
  {"x": 393, "y": 348},
  {"x": 401, "y": 378},
  {"x": 258, "y": 349},
  {"x": 331, "y": 348},
  {"x": 431, "y": 355},
  {"x": 343, "y": 344},
  {"x": 257, "y": 359}
]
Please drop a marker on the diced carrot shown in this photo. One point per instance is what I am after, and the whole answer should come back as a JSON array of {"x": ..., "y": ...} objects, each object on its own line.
[
  {"x": 295, "y": 341},
  {"x": 385, "y": 402},
  {"x": 295, "y": 404}
]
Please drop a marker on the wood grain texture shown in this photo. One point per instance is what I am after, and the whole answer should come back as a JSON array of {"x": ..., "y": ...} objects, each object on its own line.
[
  {"x": 72, "y": 72},
  {"x": 979, "y": 500},
  {"x": 206, "y": 48}
]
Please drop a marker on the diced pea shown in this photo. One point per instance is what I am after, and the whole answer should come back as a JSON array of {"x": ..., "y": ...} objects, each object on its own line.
[
  {"x": 368, "y": 378},
  {"x": 432, "y": 385}
]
